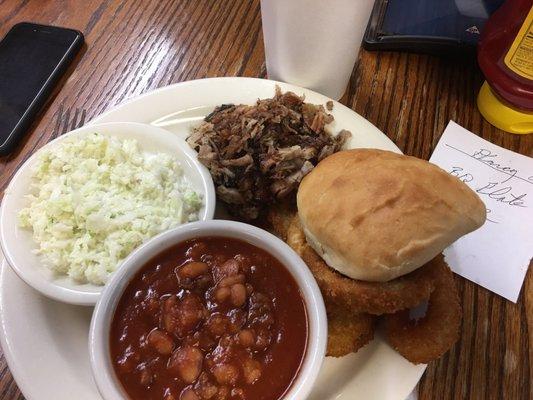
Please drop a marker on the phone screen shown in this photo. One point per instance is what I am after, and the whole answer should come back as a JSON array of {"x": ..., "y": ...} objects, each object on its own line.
[{"x": 31, "y": 57}]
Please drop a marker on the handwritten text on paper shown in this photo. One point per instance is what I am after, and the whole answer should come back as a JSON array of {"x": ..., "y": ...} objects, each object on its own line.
[{"x": 497, "y": 255}]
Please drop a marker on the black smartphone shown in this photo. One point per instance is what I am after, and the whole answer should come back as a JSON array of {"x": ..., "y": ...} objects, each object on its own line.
[{"x": 32, "y": 59}]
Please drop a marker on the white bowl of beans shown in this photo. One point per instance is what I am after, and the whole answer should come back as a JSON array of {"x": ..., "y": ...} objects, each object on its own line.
[{"x": 209, "y": 310}]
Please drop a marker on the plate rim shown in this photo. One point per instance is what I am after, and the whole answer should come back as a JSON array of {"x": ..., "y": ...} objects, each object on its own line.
[{"x": 260, "y": 81}]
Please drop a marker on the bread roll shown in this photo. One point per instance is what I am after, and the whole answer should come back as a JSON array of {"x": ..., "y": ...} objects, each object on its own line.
[{"x": 375, "y": 215}]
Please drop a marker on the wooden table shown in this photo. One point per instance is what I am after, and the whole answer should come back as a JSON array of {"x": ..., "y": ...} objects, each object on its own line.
[{"x": 136, "y": 46}]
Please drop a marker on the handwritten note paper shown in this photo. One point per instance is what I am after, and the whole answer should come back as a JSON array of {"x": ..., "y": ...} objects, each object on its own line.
[{"x": 497, "y": 255}]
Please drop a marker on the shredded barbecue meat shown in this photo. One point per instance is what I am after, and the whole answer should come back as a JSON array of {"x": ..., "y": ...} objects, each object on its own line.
[{"x": 258, "y": 154}]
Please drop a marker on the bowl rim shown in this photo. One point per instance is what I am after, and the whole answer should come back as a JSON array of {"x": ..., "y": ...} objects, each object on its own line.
[
  {"x": 103, "y": 373},
  {"x": 36, "y": 279}
]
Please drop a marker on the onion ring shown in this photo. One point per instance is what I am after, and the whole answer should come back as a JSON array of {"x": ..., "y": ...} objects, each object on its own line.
[
  {"x": 347, "y": 331},
  {"x": 428, "y": 338}
]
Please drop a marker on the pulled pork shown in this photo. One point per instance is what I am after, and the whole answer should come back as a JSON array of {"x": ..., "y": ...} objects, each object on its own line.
[{"x": 257, "y": 155}]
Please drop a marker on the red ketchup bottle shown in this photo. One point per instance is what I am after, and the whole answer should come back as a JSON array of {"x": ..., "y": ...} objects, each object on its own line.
[{"x": 505, "y": 55}]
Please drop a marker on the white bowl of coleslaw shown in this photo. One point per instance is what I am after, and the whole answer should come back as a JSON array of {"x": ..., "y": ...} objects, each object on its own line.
[{"x": 83, "y": 202}]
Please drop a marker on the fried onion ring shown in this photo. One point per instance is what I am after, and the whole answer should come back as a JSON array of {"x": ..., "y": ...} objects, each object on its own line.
[
  {"x": 347, "y": 331},
  {"x": 428, "y": 338},
  {"x": 364, "y": 297}
]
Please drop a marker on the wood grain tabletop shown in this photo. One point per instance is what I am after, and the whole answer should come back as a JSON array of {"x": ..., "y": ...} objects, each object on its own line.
[{"x": 133, "y": 47}]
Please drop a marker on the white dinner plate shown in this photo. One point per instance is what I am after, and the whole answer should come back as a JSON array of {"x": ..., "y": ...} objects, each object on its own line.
[{"x": 45, "y": 342}]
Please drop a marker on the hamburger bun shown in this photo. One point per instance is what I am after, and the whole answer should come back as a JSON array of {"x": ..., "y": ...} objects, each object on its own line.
[{"x": 374, "y": 215}]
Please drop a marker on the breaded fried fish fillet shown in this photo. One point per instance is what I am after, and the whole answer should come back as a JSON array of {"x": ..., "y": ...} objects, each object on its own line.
[{"x": 368, "y": 297}]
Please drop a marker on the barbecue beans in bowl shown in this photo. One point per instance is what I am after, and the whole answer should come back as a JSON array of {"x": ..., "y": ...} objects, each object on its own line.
[{"x": 210, "y": 310}]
